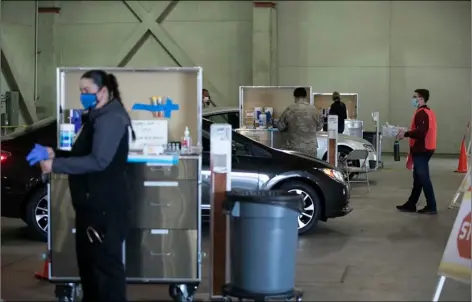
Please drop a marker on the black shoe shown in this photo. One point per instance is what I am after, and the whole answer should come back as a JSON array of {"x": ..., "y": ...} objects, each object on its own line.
[
  {"x": 406, "y": 208},
  {"x": 427, "y": 210}
]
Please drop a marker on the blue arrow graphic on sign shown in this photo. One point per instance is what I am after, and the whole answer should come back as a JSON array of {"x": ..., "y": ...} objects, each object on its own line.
[{"x": 167, "y": 108}]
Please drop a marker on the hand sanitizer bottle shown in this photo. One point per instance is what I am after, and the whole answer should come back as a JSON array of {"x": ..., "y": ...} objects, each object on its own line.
[
  {"x": 186, "y": 142},
  {"x": 263, "y": 120}
]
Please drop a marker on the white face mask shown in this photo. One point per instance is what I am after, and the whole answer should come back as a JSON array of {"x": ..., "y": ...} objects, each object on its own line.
[{"x": 206, "y": 99}]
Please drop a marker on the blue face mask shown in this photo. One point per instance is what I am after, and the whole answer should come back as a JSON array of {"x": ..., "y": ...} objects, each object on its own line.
[
  {"x": 88, "y": 100},
  {"x": 414, "y": 103}
]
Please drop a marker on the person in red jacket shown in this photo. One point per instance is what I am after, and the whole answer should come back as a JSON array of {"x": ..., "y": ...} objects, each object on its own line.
[{"x": 422, "y": 139}]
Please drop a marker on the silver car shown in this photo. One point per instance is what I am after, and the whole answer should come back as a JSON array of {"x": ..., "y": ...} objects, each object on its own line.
[{"x": 346, "y": 143}]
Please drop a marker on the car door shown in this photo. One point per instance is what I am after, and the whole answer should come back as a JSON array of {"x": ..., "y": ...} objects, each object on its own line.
[
  {"x": 206, "y": 185},
  {"x": 245, "y": 167},
  {"x": 244, "y": 170}
]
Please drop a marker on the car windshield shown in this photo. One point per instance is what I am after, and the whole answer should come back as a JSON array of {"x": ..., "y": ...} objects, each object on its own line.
[{"x": 30, "y": 128}]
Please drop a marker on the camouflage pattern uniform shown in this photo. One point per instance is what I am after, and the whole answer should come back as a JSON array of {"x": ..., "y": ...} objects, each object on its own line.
[{"x": 298, "y": 125}]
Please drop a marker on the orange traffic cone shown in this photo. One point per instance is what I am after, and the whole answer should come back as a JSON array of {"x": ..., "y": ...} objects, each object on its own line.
[
  {"x": 44, "y": 275},
  {"x": 462, "y": 167}
]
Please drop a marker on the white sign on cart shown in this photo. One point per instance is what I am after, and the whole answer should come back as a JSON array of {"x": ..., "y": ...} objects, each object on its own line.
[{"x": 149, "y": 133}]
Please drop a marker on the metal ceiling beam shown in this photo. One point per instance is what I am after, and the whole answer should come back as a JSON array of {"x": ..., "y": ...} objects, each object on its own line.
[
  {"x": 151, "y": 23},
  {"x": 139, "y": 35},
  {"x": 28, "y": 108}
]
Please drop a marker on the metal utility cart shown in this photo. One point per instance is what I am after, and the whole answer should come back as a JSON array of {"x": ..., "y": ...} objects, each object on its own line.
[
  {"x": 164, "y": 242},
  {"x": 375, "y": 138}
]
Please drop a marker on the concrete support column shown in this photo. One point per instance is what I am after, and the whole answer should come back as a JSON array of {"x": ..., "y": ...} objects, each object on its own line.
[
  {"x": 48, "y": 12},
  {"x": 264, "y": 41}
]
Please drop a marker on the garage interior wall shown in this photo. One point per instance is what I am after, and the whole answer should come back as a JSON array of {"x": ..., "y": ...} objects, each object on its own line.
[
  {"x": 17, "y": 32},
  {"x": 382, "y": 50},
  {"x": 214, "y": 35}
]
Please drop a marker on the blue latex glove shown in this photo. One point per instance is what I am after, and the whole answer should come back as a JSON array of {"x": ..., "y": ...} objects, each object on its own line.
[{"x": 38, "y": 154}]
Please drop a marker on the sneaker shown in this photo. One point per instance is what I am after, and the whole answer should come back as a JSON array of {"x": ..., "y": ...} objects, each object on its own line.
[
  {"x": 406, "y": 208},
  {"x": 427, "y": 210}
]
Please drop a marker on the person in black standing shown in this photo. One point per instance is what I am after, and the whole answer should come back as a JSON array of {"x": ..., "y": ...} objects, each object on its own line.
[
  {"x": 206, "y": 98},
  {"x": 98, "y": 186},
  {"x": 338, "y": 108}
]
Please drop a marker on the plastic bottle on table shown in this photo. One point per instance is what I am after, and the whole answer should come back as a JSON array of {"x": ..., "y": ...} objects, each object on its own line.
[
  {"x": 263, "y": 120},
  {"x": 186, "y": 142},
  {"x": 66, "y": 136}
]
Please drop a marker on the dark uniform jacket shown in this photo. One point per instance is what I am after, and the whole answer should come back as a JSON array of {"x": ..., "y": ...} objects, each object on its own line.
[
  {"x": 339, "y": 108},
  {"x": 96, "y": 165}
]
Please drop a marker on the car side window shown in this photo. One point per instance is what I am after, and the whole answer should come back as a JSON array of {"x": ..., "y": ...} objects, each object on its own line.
[
  {"x": 259, "y": 152},
  {"x": 231, "y": 118},
  {"x": 238, "y": 148},
  {"x": 219, "y": 118}
]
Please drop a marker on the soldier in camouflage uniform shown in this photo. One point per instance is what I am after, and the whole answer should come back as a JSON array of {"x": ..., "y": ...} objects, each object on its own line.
[{"x": 298, "y": 125}]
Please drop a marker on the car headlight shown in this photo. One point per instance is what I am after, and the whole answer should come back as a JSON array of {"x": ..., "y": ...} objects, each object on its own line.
[
  {"x": 335, "y": 174},
  {"x": 369, "y": 148}
]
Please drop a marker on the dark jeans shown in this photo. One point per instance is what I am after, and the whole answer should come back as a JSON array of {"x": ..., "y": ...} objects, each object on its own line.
[
  {"x": 101, "y": 268},
  {"x": 422, "y": 180}
]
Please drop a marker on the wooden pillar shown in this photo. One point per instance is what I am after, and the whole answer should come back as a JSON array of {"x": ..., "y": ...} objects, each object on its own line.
[
  {"x": 333, "y": 140},
  {"x": 218, "y": 226},
  {"x": 220, "y": 166}
]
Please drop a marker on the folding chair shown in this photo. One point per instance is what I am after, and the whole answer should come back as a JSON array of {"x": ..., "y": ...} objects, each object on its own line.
[{"x": 361, "y": 156}]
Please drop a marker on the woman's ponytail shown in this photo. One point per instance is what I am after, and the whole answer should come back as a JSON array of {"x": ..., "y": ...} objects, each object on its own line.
[
  {"x": 113, "y": 88},
  {"x": 116, "y": 95}
]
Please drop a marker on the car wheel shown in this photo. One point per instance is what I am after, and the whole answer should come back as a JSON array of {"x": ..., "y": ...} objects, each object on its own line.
[
  {"x": 36, "y": 216},
  {"x": 311, "y": 207}
]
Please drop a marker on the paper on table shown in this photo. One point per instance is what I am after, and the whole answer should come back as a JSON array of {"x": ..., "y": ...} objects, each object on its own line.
[{"x": 149, "y": 133}]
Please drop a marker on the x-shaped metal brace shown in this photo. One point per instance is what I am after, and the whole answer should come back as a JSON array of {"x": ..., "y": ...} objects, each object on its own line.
[{"x": 151, "y": 22}]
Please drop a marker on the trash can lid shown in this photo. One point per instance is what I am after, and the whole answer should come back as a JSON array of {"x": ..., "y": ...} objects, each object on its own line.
[{"x": 286, "y": 199}]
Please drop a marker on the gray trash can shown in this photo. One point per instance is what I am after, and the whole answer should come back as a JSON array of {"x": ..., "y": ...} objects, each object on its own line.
[{"x": 264, "y": 237}]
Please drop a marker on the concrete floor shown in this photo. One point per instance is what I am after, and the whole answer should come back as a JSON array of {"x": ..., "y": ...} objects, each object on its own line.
[{"x": 374, "y": 253}]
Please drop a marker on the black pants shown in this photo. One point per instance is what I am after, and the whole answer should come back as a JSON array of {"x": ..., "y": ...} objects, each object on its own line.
[
  {"x": 422, "y": 180},
  {"x": 101, "y": 268}
]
